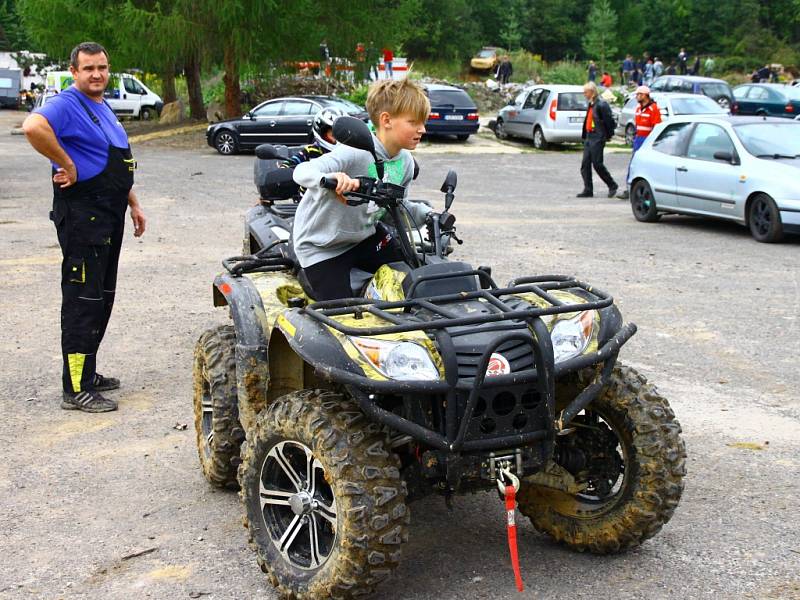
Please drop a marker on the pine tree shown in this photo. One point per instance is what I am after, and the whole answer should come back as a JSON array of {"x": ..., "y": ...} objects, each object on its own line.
[{"x": 601, "y": 28}]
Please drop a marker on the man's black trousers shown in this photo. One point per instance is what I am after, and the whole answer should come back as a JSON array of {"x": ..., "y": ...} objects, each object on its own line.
[
  {"x": 89, "y": 229},
  {"x": 593, "y": 157}
]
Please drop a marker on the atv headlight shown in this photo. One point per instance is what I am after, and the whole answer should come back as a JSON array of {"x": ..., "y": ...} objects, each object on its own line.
[
  {"x": 403, "y": 361},
  {"x": 571, "y": 336}
]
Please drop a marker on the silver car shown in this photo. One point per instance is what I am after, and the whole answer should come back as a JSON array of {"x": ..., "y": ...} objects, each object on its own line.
[
  {"x": 743, "y": 169},
  {"x": 669, "y": 105},
  {"x": 546, "y": 114}
]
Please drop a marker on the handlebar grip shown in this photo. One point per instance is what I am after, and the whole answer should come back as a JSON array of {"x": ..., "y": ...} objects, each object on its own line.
[{"x": 329, "y": 183}]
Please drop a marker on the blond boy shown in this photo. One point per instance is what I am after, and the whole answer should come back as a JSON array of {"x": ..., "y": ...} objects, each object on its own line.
[{"x": 330, "y": 238}]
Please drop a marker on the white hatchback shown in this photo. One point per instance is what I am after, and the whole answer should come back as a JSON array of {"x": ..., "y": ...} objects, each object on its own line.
[
  {"x": 743, "y": 169},
  {"x": 546, "y": 114}
]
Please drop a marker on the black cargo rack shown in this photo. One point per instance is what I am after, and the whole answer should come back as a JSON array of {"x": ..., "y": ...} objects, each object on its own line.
[{"x": 443, "y": 318}]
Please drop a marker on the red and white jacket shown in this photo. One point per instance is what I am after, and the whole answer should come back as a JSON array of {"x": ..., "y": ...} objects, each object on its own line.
[{"x": 647, "y": 117}]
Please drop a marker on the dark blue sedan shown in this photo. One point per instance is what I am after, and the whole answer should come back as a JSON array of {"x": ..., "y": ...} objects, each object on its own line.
[
  {"x": 453, "y": 112},
  {"x": 768, "y": 100}
]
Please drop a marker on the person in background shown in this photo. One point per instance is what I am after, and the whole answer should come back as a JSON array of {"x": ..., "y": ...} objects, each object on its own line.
[
  {"x": 324, "y": 57},
  {"x": 708, "y": 67},
  {"x": 627, "y": 69},
  {"x": 696, "y": 65},
  {"x": 598, "y": 128},
  {"x": 592, "y": 71},
  {"x": 671, "y": 70},
  {"x": 606, "y": 81},
  {"x": 649, "y": 72},
  {"x": 683, "y": 61},
  {"x": 658, "y": 67},
  {"x": 646, "y": 118},
  {"x": 504, "y": 70},
  {"x": 388, "y": 59},
  {"x": 372, "y": 62}
]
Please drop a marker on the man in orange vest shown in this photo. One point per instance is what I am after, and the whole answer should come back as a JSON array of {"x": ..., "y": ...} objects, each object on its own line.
[{"x": 646, "y": 118}]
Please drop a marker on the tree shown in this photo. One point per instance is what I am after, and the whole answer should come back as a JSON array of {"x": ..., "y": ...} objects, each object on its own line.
[
  {"x": 13, "y": 35},
  {"x": 601, "y": 30}
]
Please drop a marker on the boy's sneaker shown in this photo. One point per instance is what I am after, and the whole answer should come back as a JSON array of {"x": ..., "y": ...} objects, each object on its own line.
[
  {"x": 90, "y": 401},
  {"x": 105, "y": 384}
]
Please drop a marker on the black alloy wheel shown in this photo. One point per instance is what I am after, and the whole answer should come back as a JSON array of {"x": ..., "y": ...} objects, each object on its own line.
[
  {"x": 764, "y": 219},
  {"x": 226, "y": 143},
  {"x": 643, "y": 203}
]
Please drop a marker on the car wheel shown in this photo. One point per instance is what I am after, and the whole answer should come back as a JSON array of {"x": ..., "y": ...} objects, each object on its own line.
[
  {"x": 630, "y": 132},
  {"x": 539, "y": 141},
  {"x": 146, "y": 113},
  {"x": 500, "y": 130},
  {"x": 724, "y": 102},
  {"x": 643, "y": 203},
  {"x": 226, "y": 143},
  {"x": 764, "y": 219}
]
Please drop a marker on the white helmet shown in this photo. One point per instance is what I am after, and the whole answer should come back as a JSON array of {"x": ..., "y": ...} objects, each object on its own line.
[{"x": 323, "y": 123}]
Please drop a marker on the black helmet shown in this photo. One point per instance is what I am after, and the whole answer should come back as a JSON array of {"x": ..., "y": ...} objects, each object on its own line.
[{"x": 323, "y": 123}]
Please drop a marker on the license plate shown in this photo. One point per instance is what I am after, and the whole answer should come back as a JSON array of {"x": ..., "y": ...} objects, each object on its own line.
[
  {"x": 576, "y": 119},
  {"x": 454, "y": 117}
]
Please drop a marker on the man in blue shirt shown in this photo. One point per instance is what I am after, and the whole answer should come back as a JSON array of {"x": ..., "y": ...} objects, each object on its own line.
[{"x": 92, "y": 189}]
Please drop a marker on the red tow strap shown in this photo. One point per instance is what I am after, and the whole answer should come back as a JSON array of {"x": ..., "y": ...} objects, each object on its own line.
[{"x": 511, "y": 526}]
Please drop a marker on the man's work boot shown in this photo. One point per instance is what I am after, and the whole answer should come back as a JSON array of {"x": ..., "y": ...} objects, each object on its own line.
[
  {"x": 584, "y": 194},
  {"x": 612, "y": 191},
  {"x": 105, "y": 384},
  {"x": 89, "y": 401}
]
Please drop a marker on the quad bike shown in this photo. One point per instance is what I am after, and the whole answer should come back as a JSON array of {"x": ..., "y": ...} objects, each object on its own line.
[{"x": 331, "y": 417}]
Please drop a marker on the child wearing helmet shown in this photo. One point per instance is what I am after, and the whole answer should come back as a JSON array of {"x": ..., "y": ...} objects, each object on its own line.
[{"x": 324, "y": 141}]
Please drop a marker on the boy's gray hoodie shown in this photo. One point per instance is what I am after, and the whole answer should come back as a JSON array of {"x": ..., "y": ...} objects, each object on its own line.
[{"x": 324, "y": 227}]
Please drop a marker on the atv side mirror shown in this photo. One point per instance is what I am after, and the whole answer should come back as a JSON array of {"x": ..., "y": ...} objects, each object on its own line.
[
  {"x": 353, "y": 132},
  {"x": 448, "y": 187},
  {"x": 268, "y": 151}
]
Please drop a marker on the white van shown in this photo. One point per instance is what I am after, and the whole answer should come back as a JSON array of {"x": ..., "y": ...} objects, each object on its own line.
[{"x": 126, "y": 95}]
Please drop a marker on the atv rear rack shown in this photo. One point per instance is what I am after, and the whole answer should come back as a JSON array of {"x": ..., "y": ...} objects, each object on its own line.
[{"x": 443, "y": 318}]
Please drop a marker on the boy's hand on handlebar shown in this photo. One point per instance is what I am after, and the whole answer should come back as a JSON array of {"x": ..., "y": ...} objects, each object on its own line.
[{"x": 346, "y": 184}]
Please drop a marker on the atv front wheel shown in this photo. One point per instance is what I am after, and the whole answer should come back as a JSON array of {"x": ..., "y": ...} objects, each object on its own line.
[
  {"x": 325, "y": 503},
  {"x": 216, "y": 408},
  {"x": 632, "y": 471}
]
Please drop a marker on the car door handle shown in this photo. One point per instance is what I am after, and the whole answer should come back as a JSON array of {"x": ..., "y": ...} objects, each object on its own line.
[
  {"x": 309, "y": 122},
  {"x": 682, "y": 169},
  {"x": 272, "y": 123}
]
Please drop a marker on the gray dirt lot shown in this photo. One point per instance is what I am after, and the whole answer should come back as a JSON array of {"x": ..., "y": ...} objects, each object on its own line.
[{"x": 719, "y": 334}]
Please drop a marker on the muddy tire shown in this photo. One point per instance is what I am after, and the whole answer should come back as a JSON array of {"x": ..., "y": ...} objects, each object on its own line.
[
  {"x": 324, "y": 500},
  {"x": 646, "y": 471},
  {"x": 216, "y": 409}
]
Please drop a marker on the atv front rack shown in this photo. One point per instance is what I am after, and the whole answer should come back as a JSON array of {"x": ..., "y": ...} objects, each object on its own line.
[
  {"x": 519, "y": 325},
  {"x": 442, "y": 318}
]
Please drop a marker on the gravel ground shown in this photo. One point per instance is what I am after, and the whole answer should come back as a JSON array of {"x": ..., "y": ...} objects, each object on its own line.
[{"x": 719, "y": 335}]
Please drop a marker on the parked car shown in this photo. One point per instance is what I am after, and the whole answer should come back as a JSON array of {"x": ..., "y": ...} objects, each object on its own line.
[
  {"x": 453, "y": 112},
  {"x": 742, "y": 169},
  {"x": 546, "y": 114},
  {"x": 125, "y": 94},
  {"x": 486, "y": 59},
  {"x": 668, "y": 105},
  {"x": 284, "y": 121},
  {"x": 716, "y": 89},
  {"x": 768, "y": 99},
  {"x": 9, "y": 88}
]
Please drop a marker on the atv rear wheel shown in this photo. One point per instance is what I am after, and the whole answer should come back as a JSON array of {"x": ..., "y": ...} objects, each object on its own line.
[
  {"x": 325, "y": 503},
  {"x": 216, "y": 409},
  {"x": 633, "y": 471}
]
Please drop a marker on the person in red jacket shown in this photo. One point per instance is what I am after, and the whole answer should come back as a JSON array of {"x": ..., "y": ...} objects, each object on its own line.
[
  {"x": 647, "y": 116},
  {"x": 606, "y": 80},
  {"x": 388, "y": 58}
]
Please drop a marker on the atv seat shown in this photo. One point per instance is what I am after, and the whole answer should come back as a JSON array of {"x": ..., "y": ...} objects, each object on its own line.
[{"x": 358, "y": 279}]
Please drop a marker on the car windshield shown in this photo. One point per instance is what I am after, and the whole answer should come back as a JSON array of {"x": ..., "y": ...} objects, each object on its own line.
[
  {"x": 486, "y": 54},
  {"x": 696, "y": 105},
  {"x": 715, "y": 90},
  {"x": 771, "y": 140},
  {"x": 454, "y": 98},
  {"x": 572, "y": 101}
]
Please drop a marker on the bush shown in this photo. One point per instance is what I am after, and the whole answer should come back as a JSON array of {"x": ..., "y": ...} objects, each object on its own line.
[
  {"x": 527, "y": 66},
  {"x": 358, "y": 95},
  {"x": 449, "y": 70},
  {"x": 564, "y": 72}
]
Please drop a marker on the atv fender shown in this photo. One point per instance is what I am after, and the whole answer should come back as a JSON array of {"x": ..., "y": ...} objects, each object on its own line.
[
  {"x": 263, "y": 228},
  {"x": 249, "y": 320}
]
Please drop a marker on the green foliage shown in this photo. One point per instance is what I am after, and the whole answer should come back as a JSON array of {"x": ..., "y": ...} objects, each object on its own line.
[
  {"x": 449, "y": 70},
  {"x": 511, "y": 34},
  {"x": 599, "y": 41},
  {"x": 566, "y": 72},
  {"x": 358, "y": 95},
  {"x": 527, "y": 66},
  {"x": 13, "y": 35}
]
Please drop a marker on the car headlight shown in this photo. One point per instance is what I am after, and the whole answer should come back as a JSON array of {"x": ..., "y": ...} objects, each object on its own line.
[
  {"x": 404, "y": 361},
  {"x": 571, "y": 336}
]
